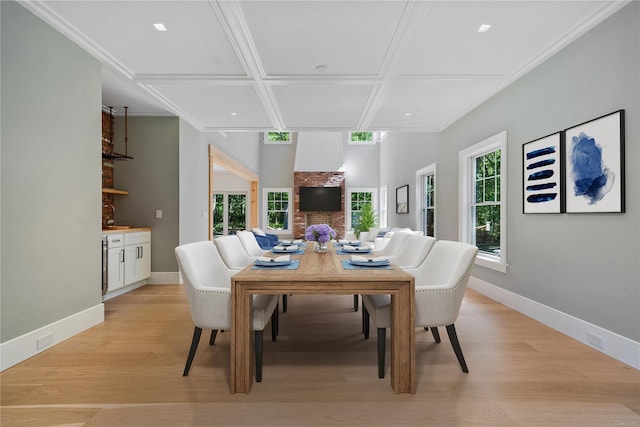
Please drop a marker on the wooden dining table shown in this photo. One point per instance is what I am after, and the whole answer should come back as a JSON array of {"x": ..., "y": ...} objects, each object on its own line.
[{"x": 321, "y": 274}]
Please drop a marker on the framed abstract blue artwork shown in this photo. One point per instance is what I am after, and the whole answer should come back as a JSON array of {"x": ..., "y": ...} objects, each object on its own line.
[
  {"x": 543, "y": 189},
  {"x": 594, "y": 165}
]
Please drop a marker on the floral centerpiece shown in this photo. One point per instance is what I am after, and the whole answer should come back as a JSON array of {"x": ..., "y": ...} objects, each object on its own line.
[{"x": 320, "y": 233}]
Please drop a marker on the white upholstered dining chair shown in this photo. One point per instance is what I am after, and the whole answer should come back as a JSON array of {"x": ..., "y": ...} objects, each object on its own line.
[
  {"x": 250, "y": 244},
  {"x": 395, "y": 243},
  {"x": 413, "y": 251},
  {"x": 236, "y": 257},
  {"x": 390, "y": 251},
  {"x": 207, "y": 283},
  {"x": 440, "y": 283},
  {"x": 410, "y": 255},
  {"x": 233, "y": 253}
]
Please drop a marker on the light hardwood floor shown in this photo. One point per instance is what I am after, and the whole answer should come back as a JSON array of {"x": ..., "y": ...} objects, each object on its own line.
[{"x": 320, "y": 372}]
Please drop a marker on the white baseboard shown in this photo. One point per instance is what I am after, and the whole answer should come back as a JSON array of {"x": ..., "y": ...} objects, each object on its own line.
[
  {"x": 124, "y": 290},
  {"x": 164, "y": 278},
  {"x": 620, "y": 348},
  {"x": 25, "y": 346}
]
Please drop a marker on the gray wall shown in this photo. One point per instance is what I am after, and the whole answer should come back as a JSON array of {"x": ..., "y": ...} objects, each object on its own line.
[
  {"x": 591, "y": 260},
  {"x": 194, "y": 185},
  {"x": 401, "y": 155},
  {"x": 50, "y": 176},
  {"x": 151, "y": 178},
  {"x": 194, "y": 174},
  {"x": 361, "y": 165}
]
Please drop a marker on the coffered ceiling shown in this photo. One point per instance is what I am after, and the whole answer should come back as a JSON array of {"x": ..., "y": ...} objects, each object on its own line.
[{"x": 316, "y": 65}]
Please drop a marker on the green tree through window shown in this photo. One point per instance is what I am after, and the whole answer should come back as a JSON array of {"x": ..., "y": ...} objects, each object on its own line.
[
  {"x": 278, "y": 210},
  {"x": 487, "y": 202},
  {"x": 361, "y": 136},
  {"x": 278, "y": 136}
]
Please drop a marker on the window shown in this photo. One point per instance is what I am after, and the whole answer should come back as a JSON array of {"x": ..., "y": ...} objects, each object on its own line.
[
  {"x": 357, "y": 198},
  {"x": 277, "y": 210},
  {"x": 277, "y": 138},
  {"x": 363, "y": 137},
  {"x": 483, "y": 209},
  {"x": 426, "y": 199},
  {"x": 229, "y": 213}
]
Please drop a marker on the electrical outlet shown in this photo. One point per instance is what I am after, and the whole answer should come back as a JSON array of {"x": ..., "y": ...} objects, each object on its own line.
[
  {"x": 44, "y": 342},
  {"x": 595, "y": 340}
]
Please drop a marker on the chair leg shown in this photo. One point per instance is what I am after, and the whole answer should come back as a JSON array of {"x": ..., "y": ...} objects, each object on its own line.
[
  {"x": 436, "y": 334},
  {"x": 284, "y": 303},
  {"x": 355, "y": 302},
  {"x": 453, "y": 337},
  {"x": 192, "y": 351},
  {"x": 365, "y": 322},
  {"x": 258, "y": 345},
  {"x": 274, "y": 323},
  {"x": 382, "y": 339},
  {"x": 212, "y": 338}
]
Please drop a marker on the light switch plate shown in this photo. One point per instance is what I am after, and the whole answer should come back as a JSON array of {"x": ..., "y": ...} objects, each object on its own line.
[{"x": 158, "y": 213}]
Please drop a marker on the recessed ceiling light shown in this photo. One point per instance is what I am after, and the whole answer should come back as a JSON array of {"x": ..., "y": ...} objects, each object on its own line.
[
  {"x": 408, "y": 114},
  {"x": 484, "y": 28},
  {"x": 233, "y": 114},
  {"x": 322, "y": 68},
  {"x": 160, "y": 26}
]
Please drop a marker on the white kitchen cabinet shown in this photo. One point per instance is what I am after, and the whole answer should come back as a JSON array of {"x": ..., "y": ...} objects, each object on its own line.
[
  {"x": 115, "y": 266},
  {"x": 137, "y": 257}
]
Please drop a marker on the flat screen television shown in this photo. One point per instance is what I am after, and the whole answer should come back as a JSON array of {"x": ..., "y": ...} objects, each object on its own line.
[{"x": 328, "y": 199}]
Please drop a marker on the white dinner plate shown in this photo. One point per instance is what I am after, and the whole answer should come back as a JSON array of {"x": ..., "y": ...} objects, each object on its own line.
[
  {"x": 370, "y": 263},
  {"x": 273, "y": 263}
]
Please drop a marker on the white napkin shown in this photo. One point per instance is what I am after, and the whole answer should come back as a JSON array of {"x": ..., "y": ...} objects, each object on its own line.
[
  {"x": 360, "y": 258},
  {"x": 285, "y": 242},
  {"x": 281, "y": 258},
  {"x": 291, "y": 248},
  {"x": 348, "y": 242},
  {"x": 355, "y": 248},
  {"x": 297, "y": 241}
]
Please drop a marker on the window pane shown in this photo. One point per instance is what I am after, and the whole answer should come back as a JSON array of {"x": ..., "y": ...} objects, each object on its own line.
[
  {"x": 218, "y": 214},
  {"x": 430, "y": 222},
  {"x": 237, "y": 212},
  {"x": 479, "y": 191},
  {"x": 278, "y": 220},
  {"x": 355, "y": 220},
  {"x": 487, "y": 230},
  {"x": 278, "y": 136},
  {"x": 361, "y": 136},
  {"x": 479, "y": 168},
  {"x": 490, "y": 190}
]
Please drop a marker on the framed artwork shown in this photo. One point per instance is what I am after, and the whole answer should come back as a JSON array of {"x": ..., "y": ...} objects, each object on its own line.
[
  {"x": 542, "y": 177},
  {"x": 594, "y": 165},
  {"x": 402, "y": 199}
]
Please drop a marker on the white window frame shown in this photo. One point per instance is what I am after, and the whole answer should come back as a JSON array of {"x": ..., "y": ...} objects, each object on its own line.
[
  {"x": 374, "y": 202},
  {"x": 376, "y": 138},
  {"x": 384, "y": 210},
  {"x": 265, "y": 138},
  {"x": 265, "y": 216},
  {"x": 466, "y": 187},
  {"x": 420, "y": 173}
]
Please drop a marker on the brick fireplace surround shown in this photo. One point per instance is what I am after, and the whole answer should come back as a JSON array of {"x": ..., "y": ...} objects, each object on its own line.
[{"x": 303, "y": 219}]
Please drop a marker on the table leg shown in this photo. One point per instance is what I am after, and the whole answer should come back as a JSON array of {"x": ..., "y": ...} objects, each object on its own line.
[
  {"x": 241, "y": 351},
  {"x": 403, "y": 362}
]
